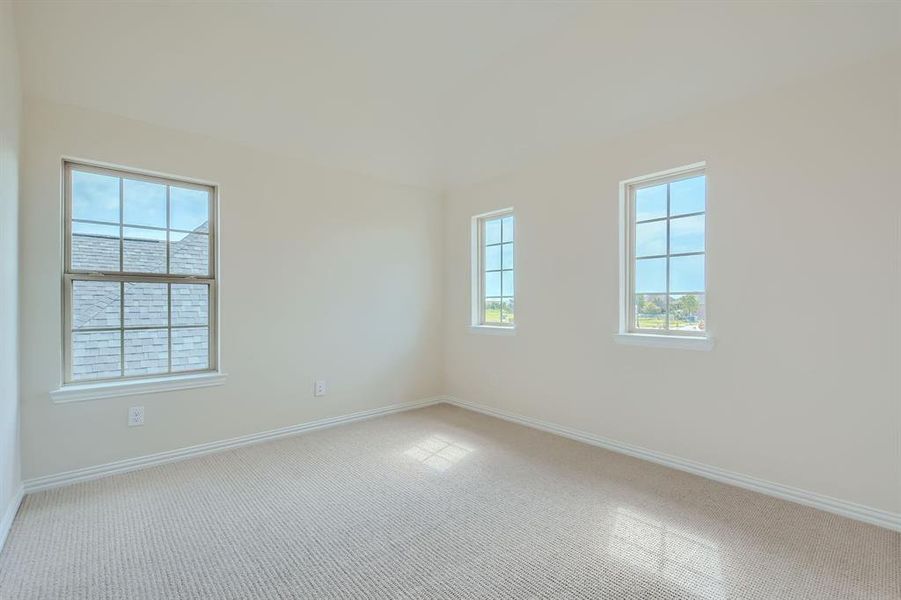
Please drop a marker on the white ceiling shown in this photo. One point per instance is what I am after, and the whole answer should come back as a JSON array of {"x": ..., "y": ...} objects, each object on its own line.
[{"x": 436, "y": 94}]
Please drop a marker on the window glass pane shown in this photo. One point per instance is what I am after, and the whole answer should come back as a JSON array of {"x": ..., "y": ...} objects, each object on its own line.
[
  {"x": 146, "y": 305},
  {"x": 650, "y": 238},
  {"x": 95, "y": 247},
  {"x": 508, "y": 229},
  {"x": 190, "y": 209},
  {"x": 650, "y": 202},
  {"x": 507, "y": 310},
  {"x": 686, "y": 312},
  {"x": 507, "y": 256},
  {"x": 146, "y": 351},
  {"x": 96, "y": 354},
  {"x": 686, "y": 234},
  {"x": 95, "y": 197},
  {"x": 507, "y": 283},
  {"x": 144, "y": 203},
  {"x": 492, "y": 258},
  {"x": 190, "y": 304},
  {"x": 688, "y": 195},
  {"x": 492, "y": 310},
  {"x": 687, "y": 273},
  {"x": 189, "y": 253},
  {"x": 493, "y": 231},
  {"x": 95, "y": 304},
  {"x": 650, "y": 275},
  {"x": 493, "y": 284},
  {"x": 145, "y": 250},
  {"x": 650, "y": 311},
  {"x": 190, "y": 349}
]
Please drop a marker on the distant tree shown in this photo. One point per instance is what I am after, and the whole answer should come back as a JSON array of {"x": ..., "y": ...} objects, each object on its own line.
[
  {"x": 649, "y": 305},
  {"x": 684, "y": 308},
  {"x": 690, "y": 304}
]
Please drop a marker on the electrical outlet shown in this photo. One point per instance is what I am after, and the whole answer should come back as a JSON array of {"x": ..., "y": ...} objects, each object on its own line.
[
  {"x": 319, "y": 388},
  {"x": 135, "y": 416}
]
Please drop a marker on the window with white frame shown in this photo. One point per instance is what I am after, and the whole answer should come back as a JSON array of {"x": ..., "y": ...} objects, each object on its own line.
[
  {"x": 140, "y": 275},
  {"x": 665, "y": 253},
  {"x": 493, "y": 269}
]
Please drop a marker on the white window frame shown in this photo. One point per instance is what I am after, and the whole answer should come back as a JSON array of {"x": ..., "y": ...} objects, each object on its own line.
[
  {"x": 478, "y": 272},
  {"x": 628, "y": 333},
  {"x": 73, "y": 390}
]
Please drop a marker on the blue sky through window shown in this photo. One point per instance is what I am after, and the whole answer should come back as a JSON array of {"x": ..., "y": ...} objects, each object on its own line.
[
  {"x": 686, "y": 273},
  {"x": 686, "y": 234},
  {"x": 688, "y": 195},
  {"x": 144, "y": 203},
  {"x": 650, "y": 238},
  {"x": 190, "y": 208},
  {"x": 120, "y": 223},
  {"x": 650, "y": 276},
  {"x": 493, "y": 231},
  {"x": 95, "y": 197},
  {"x": 650, "y": 203}
]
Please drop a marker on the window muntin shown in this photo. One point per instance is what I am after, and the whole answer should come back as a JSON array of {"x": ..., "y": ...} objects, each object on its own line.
[
  {"x": 496, "y": 297},
  {"x": 139, "y": 281},
  {"x": 666, "y": 248}
]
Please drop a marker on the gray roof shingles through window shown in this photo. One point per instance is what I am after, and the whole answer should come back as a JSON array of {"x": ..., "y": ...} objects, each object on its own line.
[{"x": 97, "y": 354}]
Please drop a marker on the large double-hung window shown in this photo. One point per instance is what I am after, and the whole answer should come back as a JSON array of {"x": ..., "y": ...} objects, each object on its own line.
[{"x": 140, "y": 276}]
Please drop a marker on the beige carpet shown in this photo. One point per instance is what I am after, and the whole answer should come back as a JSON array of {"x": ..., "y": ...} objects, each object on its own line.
[{"x": 433, "y": 503}]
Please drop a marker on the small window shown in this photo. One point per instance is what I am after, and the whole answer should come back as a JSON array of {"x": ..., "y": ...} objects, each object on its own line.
[
  {"x": 493, "y": 269},
  {"x": 140, "y": 275},
  {"x": 664, "y": 258}
]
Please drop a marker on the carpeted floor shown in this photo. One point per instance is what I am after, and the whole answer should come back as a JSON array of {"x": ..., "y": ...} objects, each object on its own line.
[{"x": 433, "y": 503}]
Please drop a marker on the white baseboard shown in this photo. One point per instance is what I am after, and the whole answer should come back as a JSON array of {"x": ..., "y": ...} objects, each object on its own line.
[
  {"x": 844, "y": 508},
  {"x": 6, "y": 522},
  {"x": 47, "y": 482}
]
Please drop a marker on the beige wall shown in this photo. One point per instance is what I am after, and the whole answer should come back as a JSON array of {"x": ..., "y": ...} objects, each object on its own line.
[
  {"x": 324, "y": 274},
  {"x": 10, "y": 113},
  {"x": 802, "y": 385}
]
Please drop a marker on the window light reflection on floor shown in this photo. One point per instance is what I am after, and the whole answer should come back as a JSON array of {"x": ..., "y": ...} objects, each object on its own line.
[
  {"x": 438, "y": 452},
  {"x": 689, "y": 561}
]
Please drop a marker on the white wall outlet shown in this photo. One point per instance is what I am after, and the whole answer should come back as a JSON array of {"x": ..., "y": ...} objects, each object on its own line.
[
  {"x": 135, "y": 416},
  {"x": 319, "y": 388}
]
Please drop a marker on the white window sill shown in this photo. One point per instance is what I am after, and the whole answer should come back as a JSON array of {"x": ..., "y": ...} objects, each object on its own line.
[
  {"x": 76, "y": 392},
  {"x": 492, "y": 330},
  {"x": 665, "y": 341}
]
